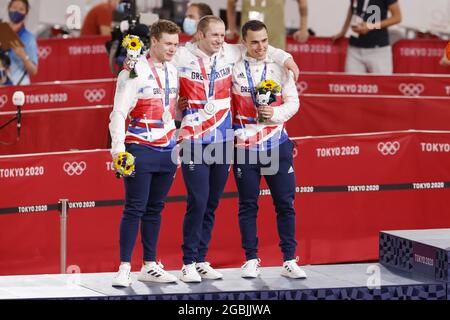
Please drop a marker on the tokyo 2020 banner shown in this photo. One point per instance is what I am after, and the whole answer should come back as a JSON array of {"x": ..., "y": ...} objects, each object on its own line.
[{"x": 349, "y": 188}]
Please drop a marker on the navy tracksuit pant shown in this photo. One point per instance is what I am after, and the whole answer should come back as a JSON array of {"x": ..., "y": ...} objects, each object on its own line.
[
  {"x": 145, "y": 196},
  {"x": 205, "y": 175},
  {"x": 282, "y": 188}
]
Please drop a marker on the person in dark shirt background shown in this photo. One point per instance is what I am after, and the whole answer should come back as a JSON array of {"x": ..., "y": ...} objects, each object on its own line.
[{"x": 369, "y": 50}]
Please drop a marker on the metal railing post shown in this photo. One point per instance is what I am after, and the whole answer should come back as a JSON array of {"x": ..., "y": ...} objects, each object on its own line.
[{"x": 63, "y": 213}]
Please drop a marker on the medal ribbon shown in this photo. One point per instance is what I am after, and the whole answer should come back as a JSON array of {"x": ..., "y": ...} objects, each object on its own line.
[
  {"x": 209, "y": 88},
  {"x": 166, "y": 99},
  {"x": 251, "y": 85}
]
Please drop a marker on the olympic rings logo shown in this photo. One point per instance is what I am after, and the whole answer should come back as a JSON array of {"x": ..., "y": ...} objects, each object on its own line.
[
  {"x": 3, "y": 100},
  {"x": 388, "y": 148},
  {"x": 301, "y": 86},
  {"x": 411, "y": 89},
  {"x": 44, "y": 52},
  {"x": 74, "y": 168},
  {"x": 94, "y": 95}
]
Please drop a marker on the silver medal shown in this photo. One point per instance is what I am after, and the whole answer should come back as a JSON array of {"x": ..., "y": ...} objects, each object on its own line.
[
  {"x": 167, "y": 117},
  {"x": 209, "y": 108}
]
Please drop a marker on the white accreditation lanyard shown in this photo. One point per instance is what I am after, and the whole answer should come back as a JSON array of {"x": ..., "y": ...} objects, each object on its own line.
[
  {"x": 209, "y": 107},
  {"x": 358, "y": 19},
  {"x": 166, "y": 116},
  {"x": 364, "y": 8},
  {"x": 251, "y": 84},
  {"x": 256, "y": 15}
]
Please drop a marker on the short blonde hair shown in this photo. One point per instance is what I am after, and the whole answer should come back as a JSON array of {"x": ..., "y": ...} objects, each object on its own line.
[{"x": 204, "y": 22}]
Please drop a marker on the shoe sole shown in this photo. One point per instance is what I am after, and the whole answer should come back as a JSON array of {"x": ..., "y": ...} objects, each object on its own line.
[
  {"x": 190, "y": 281},
  {"x": 288, "y": 276},
  {"x": 116, "y": 285},
  {"x": 210, "y": 278},
  {"x": 250, "y": 277},
  {"x": 156, "y": 280}
]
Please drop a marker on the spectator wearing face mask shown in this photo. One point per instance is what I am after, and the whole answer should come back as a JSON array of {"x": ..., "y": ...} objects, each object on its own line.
[
  {"x": 194, "y": 13},
  {"x": 24, "y": 60}
]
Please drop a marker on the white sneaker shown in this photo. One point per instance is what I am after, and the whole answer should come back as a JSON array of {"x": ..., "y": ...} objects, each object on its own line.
[
  {"x": 251, "y": 269},
  {"x": 123, "y": 277},
  {"x": 207, "y": 272},
  {"x": 154, "y": 272},
  {"x": 292, "y": 270},
  {"x": 190, "y": 274}
]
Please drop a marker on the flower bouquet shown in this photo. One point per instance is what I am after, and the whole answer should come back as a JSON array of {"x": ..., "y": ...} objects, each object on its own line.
[
  {"x": 265, "y": 93},
  {"x": 124, "y": 165},
  {"x": 133, "y": 45}
]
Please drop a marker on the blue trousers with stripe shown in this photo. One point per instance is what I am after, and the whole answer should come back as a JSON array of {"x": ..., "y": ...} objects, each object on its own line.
[
  {"x": 205, "y": 180},
  {"x": 282, "y": 188},
  {"x": 145, "y": 196}
]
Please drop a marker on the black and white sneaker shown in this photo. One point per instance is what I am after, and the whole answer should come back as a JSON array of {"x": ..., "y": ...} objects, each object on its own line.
[
  {"x": 154, "y": 272},
  {"x": 207, "y": 272},
  {"x": 251, "y": 268},
  {"x": 123, "y": 277},
  {"x": 292, "y": 270},
  {"x": 190, "y": 274}
]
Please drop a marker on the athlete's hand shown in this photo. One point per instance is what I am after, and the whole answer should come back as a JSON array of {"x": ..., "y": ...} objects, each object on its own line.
[
  {"x": 182, "y": 103},
  {"x": 265, "y": 112},
  {"x": 125, "y": 64}
]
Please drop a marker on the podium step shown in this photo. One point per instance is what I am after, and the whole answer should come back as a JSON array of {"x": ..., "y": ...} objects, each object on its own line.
[
  {"x": 363, "y": 281},
  {"x": 424, "y": 252}
]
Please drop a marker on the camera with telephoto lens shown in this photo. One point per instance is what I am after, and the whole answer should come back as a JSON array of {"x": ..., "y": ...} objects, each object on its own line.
[
  {"x": 4, "y": 59},
  {"x": 5, "y": 63},
  {"x": 129, "y": 24}
]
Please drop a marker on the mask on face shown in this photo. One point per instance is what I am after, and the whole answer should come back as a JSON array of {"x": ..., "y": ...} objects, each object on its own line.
[
  {"x": 189, "y": 26},
  {"x": 16, "y": 16}
]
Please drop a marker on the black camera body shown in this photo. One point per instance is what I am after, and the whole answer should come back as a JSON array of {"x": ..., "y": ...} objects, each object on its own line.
[
  {"x": 114, "y": 47},
  {"x": 5, "y": 59}
]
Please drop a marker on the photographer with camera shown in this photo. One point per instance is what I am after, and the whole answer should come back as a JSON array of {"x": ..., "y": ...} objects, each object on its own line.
[
  {"x": 129, "y": 25},
  {"x": 5, "y": 63}
]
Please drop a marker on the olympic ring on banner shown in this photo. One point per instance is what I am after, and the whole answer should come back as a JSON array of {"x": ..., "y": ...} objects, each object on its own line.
[
  {"x": 76, "y": 168},
  {"x": 94, "y": 95},
  {"x": 3, "y": 100},
  {"x": 44, "y": 52},
  {"x": 294, "y": 152},
  {"x": 301, "y": 86},
  {"x": 388, "y": 148},
  {"x": 411, "y": 89}
]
